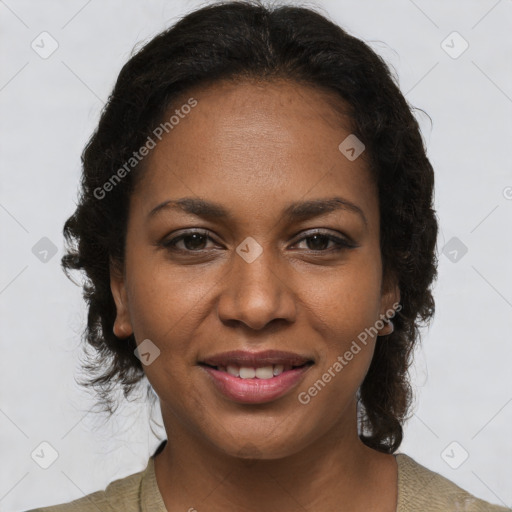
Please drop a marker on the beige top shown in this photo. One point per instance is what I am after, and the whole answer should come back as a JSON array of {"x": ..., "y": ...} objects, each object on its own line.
[{"x": 419, "y": 490}]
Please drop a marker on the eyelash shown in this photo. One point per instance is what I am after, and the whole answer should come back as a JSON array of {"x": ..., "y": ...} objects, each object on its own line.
[{"x": 341, "y": 244}]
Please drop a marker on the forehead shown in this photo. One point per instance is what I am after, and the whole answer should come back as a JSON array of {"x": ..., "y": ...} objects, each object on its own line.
[
  {"x": 252, "y": 141},
  {"x": 275, "y": 113}
]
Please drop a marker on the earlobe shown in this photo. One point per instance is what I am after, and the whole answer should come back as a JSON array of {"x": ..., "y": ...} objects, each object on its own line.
[
  {"x": 122, "y": 325},
  {"x": 388, "y": 328},
  {"x": 390, "y": 303}
]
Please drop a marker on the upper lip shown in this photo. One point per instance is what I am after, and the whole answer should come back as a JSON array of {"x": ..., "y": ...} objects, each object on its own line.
[{"x": 256, "y": 359}]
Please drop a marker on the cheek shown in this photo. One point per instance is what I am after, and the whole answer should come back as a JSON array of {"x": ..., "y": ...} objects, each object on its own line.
[
  {"x": 166, "y": 306},
  {"x": 343, "y": 310},
  {"x": 345, "y": 302},
  {"x": 344, "y": 320},
  {"x": 163, "y": 299}
]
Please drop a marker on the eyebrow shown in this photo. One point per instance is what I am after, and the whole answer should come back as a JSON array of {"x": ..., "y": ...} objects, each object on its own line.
[{"x": 300, "y": 210}]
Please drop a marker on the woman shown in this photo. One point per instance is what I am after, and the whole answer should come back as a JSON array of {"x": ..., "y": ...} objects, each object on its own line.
[{"x": 257, "y": 230}]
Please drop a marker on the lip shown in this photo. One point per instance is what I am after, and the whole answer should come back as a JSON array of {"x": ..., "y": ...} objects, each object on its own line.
[
  {"x": 255, "y": 391},
  {"x": 256, "y": 359}
]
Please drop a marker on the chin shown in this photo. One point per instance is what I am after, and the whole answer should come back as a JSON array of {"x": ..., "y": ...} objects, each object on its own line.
[{"x": 260, "y": 445}]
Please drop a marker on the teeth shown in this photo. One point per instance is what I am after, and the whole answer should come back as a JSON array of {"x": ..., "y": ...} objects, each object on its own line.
[
  {"x": 247, "y": 373},
  {"x": 233, "y": 370},
  {"x": 264, "y": 372},
  {"x": 278, "y": 369}
]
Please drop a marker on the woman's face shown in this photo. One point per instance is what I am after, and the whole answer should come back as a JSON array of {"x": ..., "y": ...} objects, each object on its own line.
[{"x": 254, "y": 279}]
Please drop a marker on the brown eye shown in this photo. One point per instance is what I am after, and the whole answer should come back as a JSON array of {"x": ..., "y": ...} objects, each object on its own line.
[
  {"x": 193, "y": 241},
  {"x": 319, "y": 242}
]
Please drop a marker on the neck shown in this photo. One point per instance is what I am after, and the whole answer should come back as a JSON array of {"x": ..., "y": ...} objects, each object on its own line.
[{"x": 335, "y": 472}]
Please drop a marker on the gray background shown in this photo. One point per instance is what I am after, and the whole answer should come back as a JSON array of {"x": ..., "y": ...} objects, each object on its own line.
[{"x": 49, "y": 108}]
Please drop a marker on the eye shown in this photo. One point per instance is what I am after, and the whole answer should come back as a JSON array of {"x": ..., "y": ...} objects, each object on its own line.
[
  {"x": 319, "y": 240},
  {"x": 192, "y": 240}
]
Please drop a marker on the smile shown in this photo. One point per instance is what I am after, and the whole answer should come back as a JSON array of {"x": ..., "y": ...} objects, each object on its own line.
[
  {"x": 264, "y": 372},
  {"x": 250, "y": 385}
]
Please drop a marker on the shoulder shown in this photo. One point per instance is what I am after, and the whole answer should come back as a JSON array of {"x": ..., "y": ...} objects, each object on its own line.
[
  {"x": 420, "y": 488},
  {"x": 121, "y": 494}
]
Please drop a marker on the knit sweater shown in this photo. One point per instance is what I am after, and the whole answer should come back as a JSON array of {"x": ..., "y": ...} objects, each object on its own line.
[{"x": 419, "y": 490}]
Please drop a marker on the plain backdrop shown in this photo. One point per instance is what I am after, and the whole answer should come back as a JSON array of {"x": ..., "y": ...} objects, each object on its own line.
[{"x": 50, "y": 105}]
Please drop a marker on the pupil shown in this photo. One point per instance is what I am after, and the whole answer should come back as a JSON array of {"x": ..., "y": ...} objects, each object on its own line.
[
  {"x": 197, "y": 238},
  {"x": 316, "y": 238}
]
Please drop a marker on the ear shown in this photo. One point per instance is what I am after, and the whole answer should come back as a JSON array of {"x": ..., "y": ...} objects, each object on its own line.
[
  {"x": 122, "y": 324},
  {"x": 390, "y": 304}
]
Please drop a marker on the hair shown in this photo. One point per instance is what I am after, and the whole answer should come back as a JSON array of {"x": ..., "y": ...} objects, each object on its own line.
[{"x": 248, "y": 40}]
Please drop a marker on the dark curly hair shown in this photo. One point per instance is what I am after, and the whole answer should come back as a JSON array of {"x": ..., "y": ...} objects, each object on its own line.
[{"x": 249, "y": 40}]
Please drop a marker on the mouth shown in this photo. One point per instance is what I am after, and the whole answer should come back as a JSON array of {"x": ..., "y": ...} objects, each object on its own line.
[
  {"x": 256, "y": 371},
  {"x": 255, "y": 378},
  {"x": 269, "y": 362}
]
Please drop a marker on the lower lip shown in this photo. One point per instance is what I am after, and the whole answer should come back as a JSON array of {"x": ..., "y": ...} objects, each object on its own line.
[{"x": 255, "y": 391}]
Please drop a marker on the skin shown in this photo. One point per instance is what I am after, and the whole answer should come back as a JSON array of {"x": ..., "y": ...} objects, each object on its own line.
[{"x": 255, "y": 148}]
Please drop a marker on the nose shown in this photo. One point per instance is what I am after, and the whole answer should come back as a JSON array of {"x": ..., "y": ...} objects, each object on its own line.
[{"x": 257, "y": 293}]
